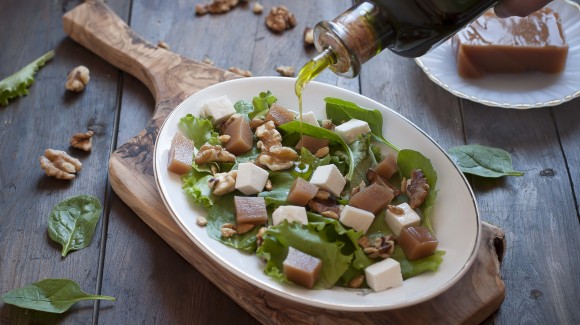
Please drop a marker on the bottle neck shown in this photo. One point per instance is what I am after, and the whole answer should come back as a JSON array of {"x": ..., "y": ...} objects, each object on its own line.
[{"x": 355, "y": 36}]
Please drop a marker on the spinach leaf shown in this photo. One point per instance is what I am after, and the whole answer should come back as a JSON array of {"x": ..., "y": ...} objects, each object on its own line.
[
  {"x": 409, "y": 160},
  {"x": 483, "y": 161},
  {"x": 340, "y": 111},
  {"x": 200, "y": 130},
  {"x": 222, "y": 213},
  {"x": 321, "y": 133},
  {"x": 50, "y": 295},
  {"x": 262, "y": 104},
  {"x": 72, "y": 222},
  {"x": 281, "y": 183},
  {"x": 17, "y": 84}
]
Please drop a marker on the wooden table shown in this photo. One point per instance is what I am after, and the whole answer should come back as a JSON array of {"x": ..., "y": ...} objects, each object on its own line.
[{"x": 153, "y": 284}]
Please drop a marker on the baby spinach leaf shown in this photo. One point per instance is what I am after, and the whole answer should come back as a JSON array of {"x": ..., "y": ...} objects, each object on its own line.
[
  {"x": 17, "y": 84},
  {"x": 72, "y": 222},
  {"x": 281, "y": 183},
  {"x": 321, "y": 133},
  {"x": 483, "y": 161},
  {"x": 340, "y": 111},
  {"x": 409, "y": 160},
  {"x": 200, "y": 130},
  {"x": 50, "y": 295}
]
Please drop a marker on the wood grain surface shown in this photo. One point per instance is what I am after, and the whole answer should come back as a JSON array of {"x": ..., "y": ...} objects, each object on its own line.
[{"x": 155, "y": 285}]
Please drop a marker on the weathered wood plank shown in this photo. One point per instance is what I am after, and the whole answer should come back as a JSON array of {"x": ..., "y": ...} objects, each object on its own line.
[
  {"x": 46, "y": 118},
  {"x": 537, "y": 211}
]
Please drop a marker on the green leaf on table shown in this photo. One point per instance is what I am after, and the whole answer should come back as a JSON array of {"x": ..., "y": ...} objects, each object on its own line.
[
  {"x": 50, "y": 295},
  {"x": 72, "y": 222},
  {"x": 483, "y": 161},
  {"x": 200, "y": 130},
  {"x": 340, "y": 111},
  {"x": 409, "y": 160},
  {"x": 17, "y": 84}
]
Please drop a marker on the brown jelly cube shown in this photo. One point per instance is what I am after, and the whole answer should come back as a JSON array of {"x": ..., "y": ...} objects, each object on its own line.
[
  {"x": 301, "y": 268},
  {"x": 279, "y": 115},
  {"x": 373, "y": 198},
  {"x": 417, "y": 242},
  {"x": 250, "y": 210},
  {"x": 311, "y": 143},
  {"x": 511, "y": 45},
  {"x": 241, "y": 137},
  {"x": 301, "y": 192},
  {"x": 387, "y": 167},
  {"x": 180, "y": 155}
]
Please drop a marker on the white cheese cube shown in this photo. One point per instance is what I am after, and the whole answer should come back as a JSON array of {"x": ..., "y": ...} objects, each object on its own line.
[
  {"x": 291, "y": 213},
  {"x": 357, "y": 219},
  {"x": 399, "y": 221},
  {"x": 328, "y": 178},
  {"x": 350, "y": 130},
  {"x": 308, "y": 118},
  {"x": 220, "y": 109},
  {"x": 251, "y": 179},
  {"x": 384, "y": 275}
]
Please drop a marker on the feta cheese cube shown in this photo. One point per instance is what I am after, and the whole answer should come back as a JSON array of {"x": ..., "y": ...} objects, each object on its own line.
[
  {"x": 220, "y": 109},
  {"x": 399, "y": 221},
  {"x": 291, "y": 213},
  {"x": 251, "y": 179},
  {"x": 358, "y": 219},
  {"x": 328, "y": 178},
  {"x": 384, "y": 275},
  {"x": 308, "y": 118},
  {"x": 350, "y": 130}
]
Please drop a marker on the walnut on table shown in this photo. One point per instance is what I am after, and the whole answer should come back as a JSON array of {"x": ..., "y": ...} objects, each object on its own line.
[
  {"x": 286, "y": 70},
  {"x": 216, "y": 6},
  {"x": 308, "y": 36},
  {"x": 257, "y": 8},
  {"x": 83, "y": 141},
  {"x": 59, "y": 164},
  {"x": 279, "y": 19},
  {"x": 78, "y": 78},
  {"x": 163, "y": 45},
  {"x": 241, "y": 72}
]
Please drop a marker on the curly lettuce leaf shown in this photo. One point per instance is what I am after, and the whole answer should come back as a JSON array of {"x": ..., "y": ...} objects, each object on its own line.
[
  {"x": 307, "y": 239},
  {"x": 262, "y": 104},
  {"x": 17, "y": 84},
  {"x": 340, "y": 111},
  {"x": 224, "y": 212},
  {"x": 409, "y": 160},
  {"x": 410, "y": 269},
  {"x": 200, "y": 130},
  {"x": 197, "y": 189}
]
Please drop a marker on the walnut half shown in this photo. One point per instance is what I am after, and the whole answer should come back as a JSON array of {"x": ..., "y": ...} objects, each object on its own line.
[
  {"x": 78, "y": 79},
  {"x": 273, "y": 154},
  {"x": 83, "y": 141},
  {"x": 59, "y": 164},
  {"x": 280, "y": 19}
]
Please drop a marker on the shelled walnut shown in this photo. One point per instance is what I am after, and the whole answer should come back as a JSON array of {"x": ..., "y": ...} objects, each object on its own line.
[
  {"x": 241, "y": 72},
  {"x": 83, "y": 141},
  {"x": 308, "y": 36},
  {"x": 223, "y": 183},
  {"x": 279, "y": 19},
  {"x": 285, "y": 70},
  {"x": 208, "y": 153},
  {"x": 78, "y": 79},
  {"x": 273, "y": 154},
  {"x": 59, "y": 164}
]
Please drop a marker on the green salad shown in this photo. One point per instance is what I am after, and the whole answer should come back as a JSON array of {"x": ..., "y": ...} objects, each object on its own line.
[{"x": 342, "y": 251}]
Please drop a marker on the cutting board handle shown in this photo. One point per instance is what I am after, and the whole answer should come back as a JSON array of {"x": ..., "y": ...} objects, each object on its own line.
[{"x": 94, "y": 25}]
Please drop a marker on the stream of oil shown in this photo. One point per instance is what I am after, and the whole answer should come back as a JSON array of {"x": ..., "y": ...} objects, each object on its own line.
[{"x": 308, "y": 72}]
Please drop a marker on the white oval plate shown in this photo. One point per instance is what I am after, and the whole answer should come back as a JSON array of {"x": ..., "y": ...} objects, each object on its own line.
[
  {"x": 455, "y": 217},
  {"x": 520, "y": 91}
]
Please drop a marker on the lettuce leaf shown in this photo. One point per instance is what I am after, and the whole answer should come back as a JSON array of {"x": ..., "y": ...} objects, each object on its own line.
[
  {"x": 199, "y": 130},
  {"x": 409, "y": 160},
  {"x": 340, "y": 111},
  {"x": 222, "y": 213},
  {"x": 197, "y": 189},
  {"x": 307, "y": 239},
  {"x": 17, "y": 84},
  {"x": 262, "y": 104},
  {"x": 410, "y": 269},
  {"x": 244, "y": 107},
  {"x": 281, "y": 183}
]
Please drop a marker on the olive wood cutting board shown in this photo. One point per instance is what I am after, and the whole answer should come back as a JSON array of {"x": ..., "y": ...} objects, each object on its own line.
[{"x": 171, "y": 78}]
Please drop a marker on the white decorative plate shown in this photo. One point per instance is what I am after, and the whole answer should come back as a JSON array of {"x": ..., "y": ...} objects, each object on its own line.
[
  {"x": 455, "y": 216},
  {"x": 520, "y": 91}
]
